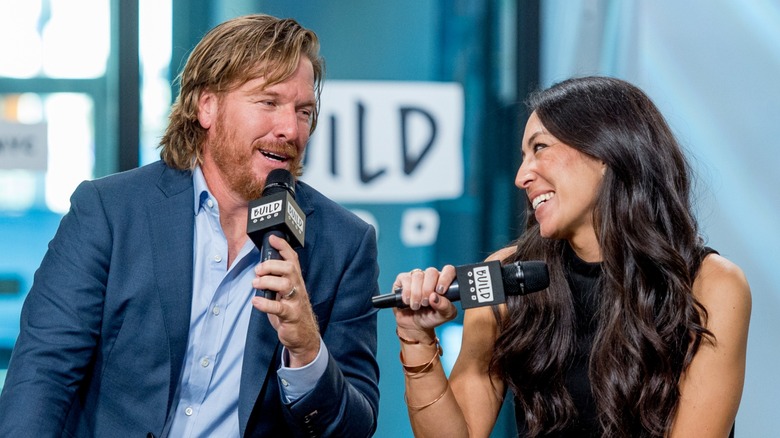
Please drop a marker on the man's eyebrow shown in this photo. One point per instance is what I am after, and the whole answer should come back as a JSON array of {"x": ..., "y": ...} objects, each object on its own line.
[
  {"x": 310, "y": 102},
  {"x": 264, "y": 90}
]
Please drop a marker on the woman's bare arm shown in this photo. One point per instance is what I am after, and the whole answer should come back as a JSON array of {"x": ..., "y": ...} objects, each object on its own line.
[
  {"x": 711, "y": 387},
  {"x": 468, "y": 404}
]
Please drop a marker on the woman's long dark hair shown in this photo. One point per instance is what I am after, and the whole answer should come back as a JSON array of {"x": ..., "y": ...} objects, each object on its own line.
[{"x": 649, "y": 324}]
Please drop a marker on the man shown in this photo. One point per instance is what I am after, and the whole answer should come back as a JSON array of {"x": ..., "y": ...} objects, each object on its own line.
[{"x": 143, "y": 318}]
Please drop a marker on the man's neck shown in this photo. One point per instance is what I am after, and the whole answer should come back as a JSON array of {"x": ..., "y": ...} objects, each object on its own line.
[{"x": 232, "y": 213}]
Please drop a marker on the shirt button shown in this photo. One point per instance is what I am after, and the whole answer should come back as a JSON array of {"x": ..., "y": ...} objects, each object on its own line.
[
  {"x": 210, "y": 203},
  {"x": 285, "y": 382},
  {"x": 204, "y": 362},
  {"x": 215, "y": 310},
  {"x": 188, "y": 411},
  {"x": 217, "y": 258}
]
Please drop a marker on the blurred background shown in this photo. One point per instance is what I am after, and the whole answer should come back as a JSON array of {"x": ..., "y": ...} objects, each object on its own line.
[{"x": 419, "y": 129}]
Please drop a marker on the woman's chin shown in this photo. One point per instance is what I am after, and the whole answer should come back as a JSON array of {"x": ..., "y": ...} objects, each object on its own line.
[{"x": 547, "y": 232}]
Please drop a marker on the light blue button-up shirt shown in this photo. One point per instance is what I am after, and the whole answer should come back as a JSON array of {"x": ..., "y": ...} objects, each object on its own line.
[{"x": 207, "y": 395}]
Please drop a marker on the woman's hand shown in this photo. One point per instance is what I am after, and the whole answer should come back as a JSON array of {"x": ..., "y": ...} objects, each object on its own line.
[{"x": 423, "y": 292}]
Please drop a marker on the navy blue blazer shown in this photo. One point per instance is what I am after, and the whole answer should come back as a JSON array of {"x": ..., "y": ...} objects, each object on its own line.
[{"x": 104, "y": 327}]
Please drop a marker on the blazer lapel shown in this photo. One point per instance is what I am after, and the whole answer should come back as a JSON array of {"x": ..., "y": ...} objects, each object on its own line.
[
  {"x": 263, "y": 348},
  {"x": 171, "y": 223}
]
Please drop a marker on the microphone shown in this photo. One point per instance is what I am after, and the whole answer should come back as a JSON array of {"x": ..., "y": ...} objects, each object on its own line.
[
  {"x": 275, "y": 213},
  {"x": 484, "y": 284}
]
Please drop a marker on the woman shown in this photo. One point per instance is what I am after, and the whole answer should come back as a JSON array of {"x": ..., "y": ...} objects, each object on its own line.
[{"x": 642, "y": 331}]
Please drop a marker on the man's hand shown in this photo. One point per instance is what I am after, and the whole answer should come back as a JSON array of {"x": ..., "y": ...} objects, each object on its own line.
[{"x": 291, "y": 313}]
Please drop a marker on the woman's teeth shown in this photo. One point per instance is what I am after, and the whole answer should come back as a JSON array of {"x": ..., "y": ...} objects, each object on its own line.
[{"x": 537, "y": 201}]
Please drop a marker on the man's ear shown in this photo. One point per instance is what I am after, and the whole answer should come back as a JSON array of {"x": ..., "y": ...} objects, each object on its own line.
[{"x": 208, "y": 106}]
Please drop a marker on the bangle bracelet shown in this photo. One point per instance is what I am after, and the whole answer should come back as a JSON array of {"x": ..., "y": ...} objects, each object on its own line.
[
  {"x": 415, "y": 370},
  {"x": 411, "y": 342},
  {"x": 421, "y": 407}
]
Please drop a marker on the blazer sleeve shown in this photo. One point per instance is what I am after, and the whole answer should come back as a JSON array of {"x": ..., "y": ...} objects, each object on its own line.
[
  {"x": 60, "y": 322},
  {"x": 344, "y": 402}
]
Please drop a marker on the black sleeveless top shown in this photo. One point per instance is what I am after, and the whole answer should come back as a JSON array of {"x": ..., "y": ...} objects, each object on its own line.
[{"x": 584, "y": 281}]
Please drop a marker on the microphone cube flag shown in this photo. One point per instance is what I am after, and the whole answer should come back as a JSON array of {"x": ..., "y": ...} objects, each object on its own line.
[
  {"x": 276, "y": 212},
  {"x": 480, "y": 284}
]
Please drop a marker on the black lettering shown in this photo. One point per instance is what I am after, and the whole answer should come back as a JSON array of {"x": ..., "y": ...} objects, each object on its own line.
[
  {"x": 484, "y": 288},
  {"x": 365, "y": 176},
  {"x": 411, "y": 163},
  {"x": 332, "y": 147},
  {"x": 334, "y": 170}
]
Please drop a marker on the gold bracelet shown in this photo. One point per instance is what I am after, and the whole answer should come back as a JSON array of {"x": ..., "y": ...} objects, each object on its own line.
[
  {"x": 414, "y": 370},
  {"x": 421, "y": 407},
  {"x": 411, "y": 342}
]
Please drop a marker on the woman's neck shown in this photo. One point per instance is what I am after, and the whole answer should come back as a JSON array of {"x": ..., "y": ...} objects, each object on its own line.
[{"x": 586, "y": 248}]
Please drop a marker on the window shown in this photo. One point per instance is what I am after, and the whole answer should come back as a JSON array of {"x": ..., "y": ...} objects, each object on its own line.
[{"x": 60, "y": 73}]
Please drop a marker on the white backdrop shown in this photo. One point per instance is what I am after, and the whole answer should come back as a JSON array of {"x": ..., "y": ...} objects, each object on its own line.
[{"x": 713, "y": 67}]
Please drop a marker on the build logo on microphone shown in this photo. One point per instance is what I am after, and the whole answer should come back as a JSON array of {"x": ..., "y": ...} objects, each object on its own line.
[
  {"x": 266, "y": 211},
  {"x": 295, "y": 218},
  {"x": 480, "y": 284}
]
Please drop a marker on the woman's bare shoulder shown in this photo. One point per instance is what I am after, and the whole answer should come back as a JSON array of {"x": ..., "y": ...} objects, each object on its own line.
[
  {"x": 722, "y": 288},
  {"x": 720, "y": 280}
]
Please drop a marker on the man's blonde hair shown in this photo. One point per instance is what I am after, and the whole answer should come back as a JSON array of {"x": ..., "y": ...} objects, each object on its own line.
[{"x": 232, "y": 53}]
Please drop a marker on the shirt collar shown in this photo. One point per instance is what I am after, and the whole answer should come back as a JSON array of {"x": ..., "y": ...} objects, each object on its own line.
[{"x": 201, "y": 189}]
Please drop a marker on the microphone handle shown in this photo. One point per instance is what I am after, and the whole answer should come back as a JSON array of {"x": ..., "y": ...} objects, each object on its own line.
[
  {"x": 268, "y": 252},
  {"x": 394, "y": 299}
]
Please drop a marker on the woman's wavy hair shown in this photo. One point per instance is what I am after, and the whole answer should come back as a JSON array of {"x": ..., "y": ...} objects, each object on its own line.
[
  {"x": 649, "y": 324},
  {"x": 228, "y": 56}
]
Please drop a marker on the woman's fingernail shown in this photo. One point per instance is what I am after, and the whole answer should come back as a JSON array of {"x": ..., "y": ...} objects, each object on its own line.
[
  {"x": 436, "y": 299},
  {"x": 440, "y": 289}
]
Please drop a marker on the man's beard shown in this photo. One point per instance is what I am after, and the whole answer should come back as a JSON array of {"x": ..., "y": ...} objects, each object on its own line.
[{"x": 234, "y": 161}]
